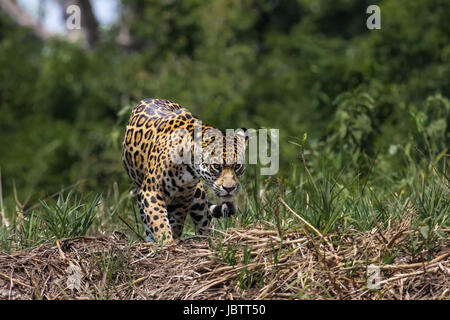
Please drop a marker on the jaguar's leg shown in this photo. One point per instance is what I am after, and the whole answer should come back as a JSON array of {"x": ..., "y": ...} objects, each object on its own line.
[
  {"x": 155, "y": 216},
  {"x": 199, "y": 211},
  {"x": 177, "y": 216},
  {"x": 148, "y": 232}
]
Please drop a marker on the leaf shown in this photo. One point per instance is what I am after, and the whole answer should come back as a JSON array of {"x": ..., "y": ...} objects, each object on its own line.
[{"x": 424, "y": 231}]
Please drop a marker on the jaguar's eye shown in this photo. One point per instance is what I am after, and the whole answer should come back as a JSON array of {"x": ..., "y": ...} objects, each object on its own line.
[
  {"x": 239, "y": 169},
  {"x": 216, "y": 167}
]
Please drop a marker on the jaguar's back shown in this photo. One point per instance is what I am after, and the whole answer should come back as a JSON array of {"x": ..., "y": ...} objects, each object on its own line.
[{"x": 150, "y": 118}]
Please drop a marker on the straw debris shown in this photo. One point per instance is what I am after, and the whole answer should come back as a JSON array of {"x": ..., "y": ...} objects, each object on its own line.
[{"x": 238, "y": 264}]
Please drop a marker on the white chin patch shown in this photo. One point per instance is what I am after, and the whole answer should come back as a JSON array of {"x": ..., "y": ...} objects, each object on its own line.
[
  {"x": 225, "y": 195},
  {"x": 222, "y": 193}
]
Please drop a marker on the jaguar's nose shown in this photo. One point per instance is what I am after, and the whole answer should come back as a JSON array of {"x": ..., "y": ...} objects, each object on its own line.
[{"x": 229, "y": 189}]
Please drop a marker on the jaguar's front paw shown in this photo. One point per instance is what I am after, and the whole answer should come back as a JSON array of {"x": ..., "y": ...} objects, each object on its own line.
[
  {"x": 229, "y": 208},
  {"x": 149, "y": 238},
  {"x": 224, "y": 210}
]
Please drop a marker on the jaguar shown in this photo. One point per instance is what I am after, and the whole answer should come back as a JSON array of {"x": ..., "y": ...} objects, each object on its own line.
[{"x": 171, "y": 156}]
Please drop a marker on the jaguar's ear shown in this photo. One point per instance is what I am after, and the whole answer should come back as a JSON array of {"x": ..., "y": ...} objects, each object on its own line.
[{"x": 243, "y": 133}]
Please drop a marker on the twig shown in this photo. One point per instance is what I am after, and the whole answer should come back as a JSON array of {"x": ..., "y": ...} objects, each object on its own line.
[
  {"x": 416, "y": 265},
  {"x": 61, "y": 253},
  {"x": 276, "y": 212},
  {"x": 11, "y": 284},
  {"x": 4, "y": 221},
  {"x": 126, "y": 223},
  {"x": 213, "y": 283},
  {"x": 14, "y": 280},
  {"x": 401, "y": 276},
  {"x": 198, "y": 236},
  {"x": 123, "y": 286},
  {"x": 307, "y": 223}
]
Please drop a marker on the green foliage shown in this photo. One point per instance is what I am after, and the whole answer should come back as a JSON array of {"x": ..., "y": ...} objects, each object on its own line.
[
  {"x": 433, "y": 207},
  {"x": 431, "y": 124},
  {"x": 5, "y": 238},
  {"x": 226, "y": 253},
  {"x": 353, "y": 126},
  {"x": 31, "y": 232},
  {"x": 69, "y": 217}
]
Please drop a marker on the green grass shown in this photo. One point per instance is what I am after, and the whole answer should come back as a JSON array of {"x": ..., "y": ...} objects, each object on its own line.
[
  {"x": 334, "y": 201},
  {"x": 65, "y": 217},
  {"x": 68, "y": 217}
]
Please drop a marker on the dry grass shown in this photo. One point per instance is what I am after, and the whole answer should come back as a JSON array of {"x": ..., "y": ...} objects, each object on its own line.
[{"x": 298, "y": 265}]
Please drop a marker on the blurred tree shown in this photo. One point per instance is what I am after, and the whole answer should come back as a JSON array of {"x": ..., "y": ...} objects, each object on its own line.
[{"x": 18, "y": 15}]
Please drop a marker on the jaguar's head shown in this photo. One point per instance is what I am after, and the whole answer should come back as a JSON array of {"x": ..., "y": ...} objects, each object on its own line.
[{"x": 223, "y": 160}]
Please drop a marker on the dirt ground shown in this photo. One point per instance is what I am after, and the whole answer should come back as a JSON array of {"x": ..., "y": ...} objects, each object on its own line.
[{"x": 255, "y": 264}]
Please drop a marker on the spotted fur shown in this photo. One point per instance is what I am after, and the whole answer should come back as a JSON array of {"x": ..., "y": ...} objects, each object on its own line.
[{"x": 168, "y": 190}]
